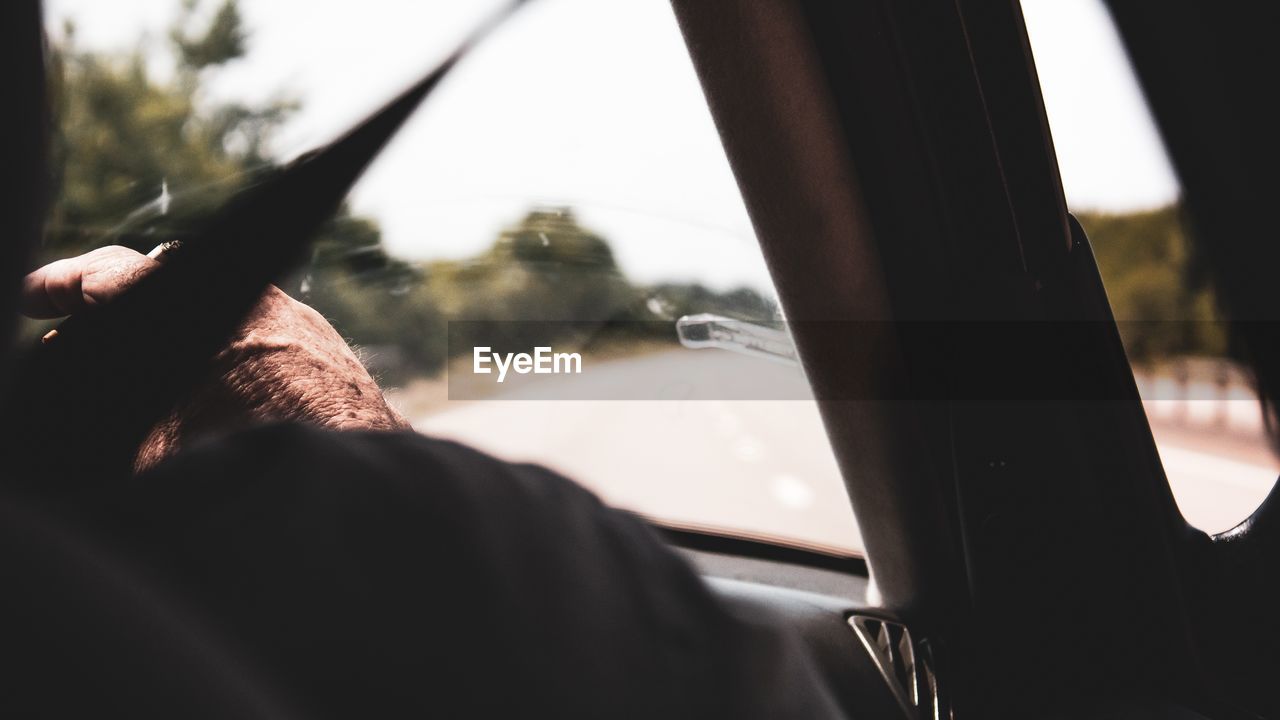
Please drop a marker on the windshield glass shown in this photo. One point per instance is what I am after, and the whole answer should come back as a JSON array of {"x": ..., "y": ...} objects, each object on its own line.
[{"x": 565, "y": 188}]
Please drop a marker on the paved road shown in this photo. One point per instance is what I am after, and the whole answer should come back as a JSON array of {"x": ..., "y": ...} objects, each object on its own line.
[
  {"x": 1217, "y": 479},
  {"x": 759, "y": 466}
]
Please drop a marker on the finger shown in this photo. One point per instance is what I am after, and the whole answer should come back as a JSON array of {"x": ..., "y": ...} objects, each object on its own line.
[{"x": 66, "y": 286}]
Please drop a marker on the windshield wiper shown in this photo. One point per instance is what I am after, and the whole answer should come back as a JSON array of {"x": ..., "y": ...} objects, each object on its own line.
[{"x": 716, "y": 331}]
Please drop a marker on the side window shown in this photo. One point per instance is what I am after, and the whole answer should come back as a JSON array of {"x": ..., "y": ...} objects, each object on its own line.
[{"x": 1203, "y": 412}]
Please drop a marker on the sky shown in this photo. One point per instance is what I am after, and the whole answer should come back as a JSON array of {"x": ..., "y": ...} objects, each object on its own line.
[
  {"x": 594, "y": 105},
  {"x": 1109, "y": 152}
]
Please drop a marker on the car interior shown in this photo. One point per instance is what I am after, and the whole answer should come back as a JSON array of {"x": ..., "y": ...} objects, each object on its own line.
[
  {"x": 1024, "y": 555},
  {"x": 1028, "y": 558}
]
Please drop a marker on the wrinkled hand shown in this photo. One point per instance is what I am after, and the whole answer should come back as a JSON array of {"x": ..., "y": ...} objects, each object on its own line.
[{"x": 285, "y": 363}]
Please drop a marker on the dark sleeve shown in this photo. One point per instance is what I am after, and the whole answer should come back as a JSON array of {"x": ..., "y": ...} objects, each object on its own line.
[{"x": 384, "y": 575}]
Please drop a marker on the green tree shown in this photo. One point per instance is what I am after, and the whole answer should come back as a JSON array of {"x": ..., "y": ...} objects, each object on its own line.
[
  {"x": 222, "y": 42},
  {"x": 136, "y": 155},
  {"x": 1162, "y": 309},
  {"x": 141, "y": 156},
  {"x": 546, "y": 278}
]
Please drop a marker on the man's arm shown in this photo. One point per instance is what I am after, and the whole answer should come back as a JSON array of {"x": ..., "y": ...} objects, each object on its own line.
[
  {"x": 388, "y": 574},
  {"x": 394, "y": 575},
  {"x": 285, "y": 363}
]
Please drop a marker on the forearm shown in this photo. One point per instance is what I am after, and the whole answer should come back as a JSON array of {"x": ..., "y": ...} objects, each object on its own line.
[{"x": 286, "y": 363}]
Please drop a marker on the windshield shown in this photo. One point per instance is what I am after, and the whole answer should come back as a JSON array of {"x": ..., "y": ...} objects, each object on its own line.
[{"x": 565, "y": 189}]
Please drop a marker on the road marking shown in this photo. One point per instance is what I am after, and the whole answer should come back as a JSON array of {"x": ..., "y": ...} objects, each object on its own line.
[{"x": 792, "y": 492}]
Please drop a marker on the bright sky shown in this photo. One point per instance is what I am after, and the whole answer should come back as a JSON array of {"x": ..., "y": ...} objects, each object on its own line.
[
  {"x": 595, "y": 105},
  {"x": 1109, "y": 151}
]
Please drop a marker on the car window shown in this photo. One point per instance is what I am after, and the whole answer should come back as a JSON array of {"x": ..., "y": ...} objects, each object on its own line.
[
  {"x": 1201, "y": 406},
  {"x": 565, "y": 189}
]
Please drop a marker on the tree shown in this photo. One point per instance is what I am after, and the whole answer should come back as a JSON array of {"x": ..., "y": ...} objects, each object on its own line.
[
  {"x": 1162, "y": 308},
  {"x": 136, "y": 156},
  {"x": 222, "y": 42},
  {"x": 141, "y": 157},
  {"x": 544, "y": 279}
]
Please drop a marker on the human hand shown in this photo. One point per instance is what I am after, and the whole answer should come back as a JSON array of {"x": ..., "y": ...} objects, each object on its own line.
[{"x": 284, "y": 363}]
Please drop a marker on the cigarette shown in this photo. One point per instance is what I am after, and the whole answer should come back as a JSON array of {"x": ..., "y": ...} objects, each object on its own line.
[{"x": 158, "y": 252}]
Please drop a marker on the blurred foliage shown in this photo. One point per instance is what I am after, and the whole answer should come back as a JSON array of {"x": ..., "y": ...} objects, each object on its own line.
[
  {"x": 222, "y": 42},
  {"x": 140, "y": 154},
  {"x": 546, "y": 279},
  {"x": 1163, "y": 307}
]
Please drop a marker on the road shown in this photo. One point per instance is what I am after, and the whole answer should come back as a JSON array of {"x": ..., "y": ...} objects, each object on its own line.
[{"x": 761, "y": 466}]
